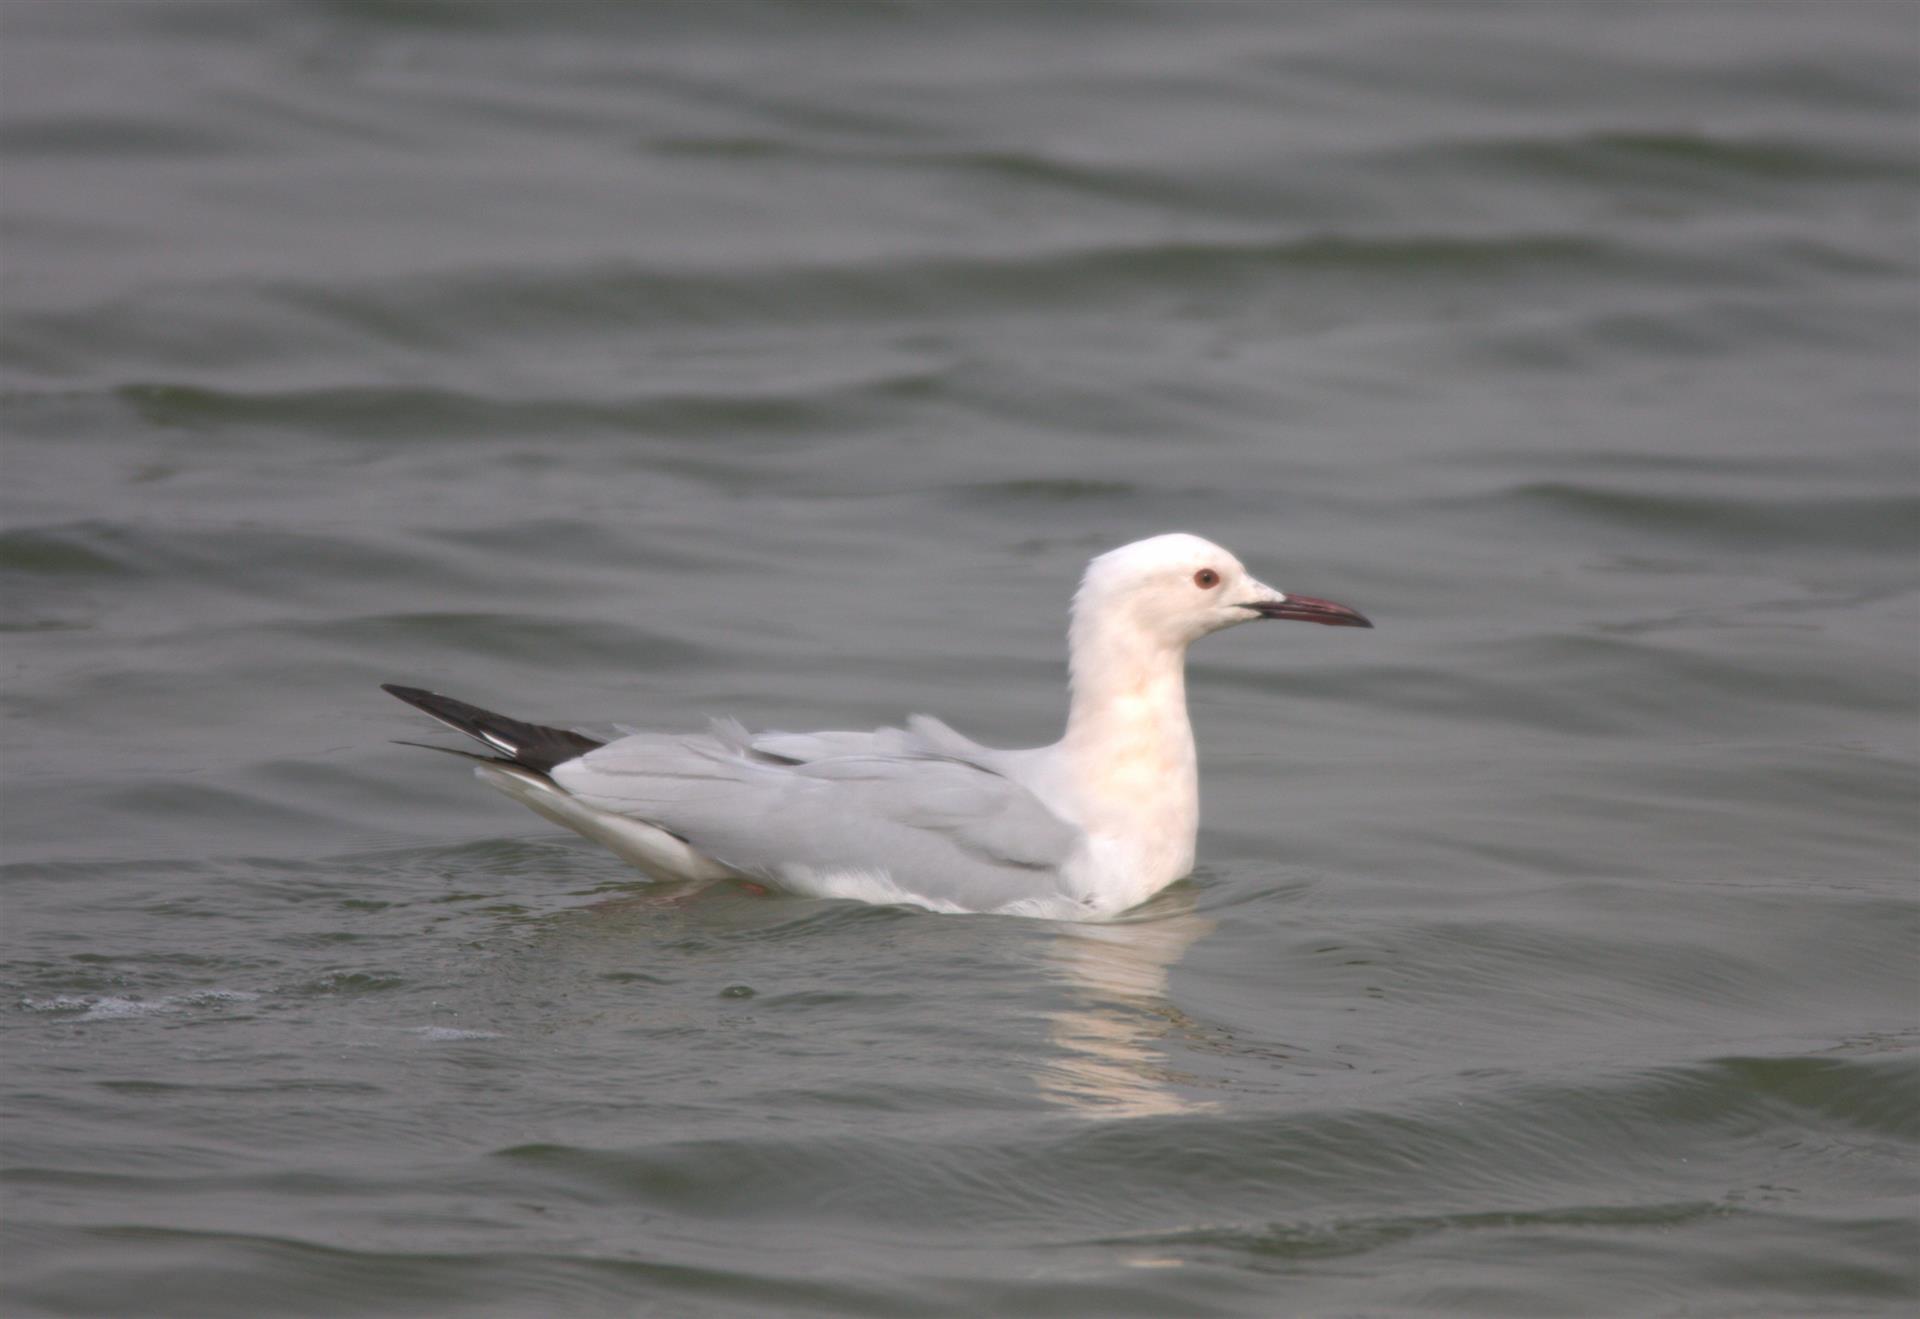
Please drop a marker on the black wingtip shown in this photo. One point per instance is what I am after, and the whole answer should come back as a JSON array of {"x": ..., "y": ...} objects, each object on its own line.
[{"x": 533, "y": 746}]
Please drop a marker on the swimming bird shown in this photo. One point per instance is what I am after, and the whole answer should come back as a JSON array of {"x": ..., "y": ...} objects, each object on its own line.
[{"x": 1085, "y": 828}]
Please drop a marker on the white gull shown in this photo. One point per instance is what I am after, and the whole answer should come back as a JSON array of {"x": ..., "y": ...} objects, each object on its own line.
[{"x": 1096, "y": 823}]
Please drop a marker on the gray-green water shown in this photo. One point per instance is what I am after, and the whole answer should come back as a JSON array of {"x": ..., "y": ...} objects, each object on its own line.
[{"x": 1552, "y": 949}]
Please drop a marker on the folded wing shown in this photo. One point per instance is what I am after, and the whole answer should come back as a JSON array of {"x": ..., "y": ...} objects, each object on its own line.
[{"x": 916, "y": 814}]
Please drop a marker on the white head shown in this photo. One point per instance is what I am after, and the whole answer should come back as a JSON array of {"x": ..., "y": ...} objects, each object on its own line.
[{"x": 1175, "y": 589}]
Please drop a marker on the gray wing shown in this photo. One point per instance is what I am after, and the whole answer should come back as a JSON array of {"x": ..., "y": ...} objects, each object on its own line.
[
  {"x": 923, "y": 736},
  {"x": 809, "y": 811}
]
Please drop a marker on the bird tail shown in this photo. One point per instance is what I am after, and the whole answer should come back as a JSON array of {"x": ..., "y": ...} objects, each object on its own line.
[{"x": 530, "y": 746}]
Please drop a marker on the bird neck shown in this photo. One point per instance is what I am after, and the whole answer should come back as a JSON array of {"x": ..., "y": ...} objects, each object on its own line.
[{"x": 1128, "y": 739}]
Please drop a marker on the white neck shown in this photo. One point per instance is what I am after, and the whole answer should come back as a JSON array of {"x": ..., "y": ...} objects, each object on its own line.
[{"x": 1128, "y": 748}]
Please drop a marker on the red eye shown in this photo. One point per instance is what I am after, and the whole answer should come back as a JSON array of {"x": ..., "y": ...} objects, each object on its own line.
[{"x": 1206, "y": 579}]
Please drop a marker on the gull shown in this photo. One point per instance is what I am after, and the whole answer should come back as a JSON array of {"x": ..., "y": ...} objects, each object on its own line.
[{"x": 1083, "y": 829}]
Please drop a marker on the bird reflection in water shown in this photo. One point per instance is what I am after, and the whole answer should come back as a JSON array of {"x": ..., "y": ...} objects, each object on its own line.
[{"x": 1112, "y": 1061}]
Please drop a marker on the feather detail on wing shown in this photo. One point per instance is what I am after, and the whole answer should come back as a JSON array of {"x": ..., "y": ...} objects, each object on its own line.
[{"x": 922, "y": 808}]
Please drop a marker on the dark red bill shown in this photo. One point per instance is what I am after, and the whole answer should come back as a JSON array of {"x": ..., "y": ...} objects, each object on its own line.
[{"x": 1309, "y": 610}]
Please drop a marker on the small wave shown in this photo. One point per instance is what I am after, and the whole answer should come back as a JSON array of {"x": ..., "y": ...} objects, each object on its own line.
[
  {"x": 1309, "y": 1239},
  {"x": 107, "y": 1007},
  {"x": 1673, "y": 160},
  {"x": 1865, "y": 522},
  {"x": 72, "y": 550},
  {"x": 522, "y": 633},
  {"x": 1051, "y": 490},
  {"x": 588, "y": 297},
  {"x": 446, "y": 1034},
  {"x": 359, "y": 414},
  {"x": 116, "y": 1007}
]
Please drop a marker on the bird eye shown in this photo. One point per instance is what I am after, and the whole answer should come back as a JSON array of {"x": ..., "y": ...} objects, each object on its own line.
[{"x": 1206, "y": 579}]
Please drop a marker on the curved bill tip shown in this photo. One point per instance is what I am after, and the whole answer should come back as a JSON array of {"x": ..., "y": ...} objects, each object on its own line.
[{"x": 1310, "y": 610}]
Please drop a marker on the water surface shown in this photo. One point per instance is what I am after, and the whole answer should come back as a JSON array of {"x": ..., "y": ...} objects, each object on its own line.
[{"x": 1552, "y": 946}]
